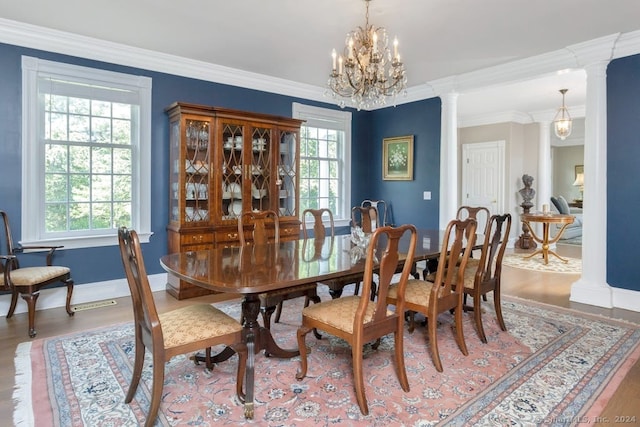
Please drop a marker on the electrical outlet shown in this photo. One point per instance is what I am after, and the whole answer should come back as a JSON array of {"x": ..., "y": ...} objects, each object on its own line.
[{"x": 426, "y": 195}]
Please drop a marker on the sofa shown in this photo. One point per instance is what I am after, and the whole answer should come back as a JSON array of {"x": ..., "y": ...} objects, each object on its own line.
[{"x": 560, "y": 205}]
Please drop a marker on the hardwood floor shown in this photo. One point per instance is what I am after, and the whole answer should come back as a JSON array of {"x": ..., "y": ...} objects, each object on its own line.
[{"x": 544, "y": 287}]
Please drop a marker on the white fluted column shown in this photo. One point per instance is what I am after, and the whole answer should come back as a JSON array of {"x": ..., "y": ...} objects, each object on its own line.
[
  {"x": 448, "y": 159},
  {"x": 544, "y": 166},
  {"x": 592, "y": 287}
]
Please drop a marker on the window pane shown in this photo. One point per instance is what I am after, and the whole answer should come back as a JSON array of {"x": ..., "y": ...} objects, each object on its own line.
[
  {"x": 56, "y": 127},
  {"x": 79, "y": 216},
  {"x": 55, "y": 217},
  {"x": 79, "y": 106},
  {"x": 80, "y": 161},
  {"x": 101, "y": 160},
  {"x": 55, "y": 158},
  {"x": 100, "y": 129},
  {"x": 80, "y": 187},
  {"x": 56, "y": 189},
  {"x": 101, "y": 188},
  {"x": 79, "y": 128}
]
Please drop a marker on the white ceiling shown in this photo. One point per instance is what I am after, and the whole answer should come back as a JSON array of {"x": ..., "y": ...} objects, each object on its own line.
[{"x": 292, "y": 39}]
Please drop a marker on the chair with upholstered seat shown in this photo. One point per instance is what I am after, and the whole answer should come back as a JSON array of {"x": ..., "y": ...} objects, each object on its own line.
[
  {"x": 357, "y": 319},
  {"x": 483, "y": 275},
  {"x": 439, "y": 296},
  {"x": 382, "y": 210},
  {"x": 184, "y": 330},
  {"x": 260, "y": 223},
  {"x": 321, "y": 232},
  {"x": 27, "y": 281},
  {"x": 479, "y": 213},
  {"x": 365, "y": 217}
]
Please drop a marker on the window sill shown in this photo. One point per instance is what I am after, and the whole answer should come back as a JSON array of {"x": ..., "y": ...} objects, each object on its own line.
[{"x": 83, "y": 242}]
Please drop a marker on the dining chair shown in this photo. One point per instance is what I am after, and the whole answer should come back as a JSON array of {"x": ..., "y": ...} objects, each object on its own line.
[
  {"x": 359, "y": 320},
  {"x": 184, "y": 330},
  {"x": 482, "y": 215},
  {"x": 381, "y": 209},
  {"x": 441, "y": 295},
  {"x": 365, "y": 217},
  {"x": 260, "y": 224},
  {"x": 320, "y": 231},
  {"x": 27, "y": 281},
  {"x": 483, "y": 275}
]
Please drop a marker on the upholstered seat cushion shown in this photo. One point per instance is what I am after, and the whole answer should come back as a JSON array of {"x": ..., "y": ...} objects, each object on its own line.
[
  {"x": 195, "y": 322},
  {"x": 417, "y": 292},
  {"x": 340, "y": 312},
  {"x": 28, "y": 276}
]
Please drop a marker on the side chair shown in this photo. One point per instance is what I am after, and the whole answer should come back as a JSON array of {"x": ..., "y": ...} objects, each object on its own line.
[
  {"x": 381, "y": 208},
  {"x": 441, "y": 295},
  {"x": 482, "y": 217},
  {"x": 183, "y": 330},
  {"x": 27, "y": 281},
  {"x": 357, "y": 319},
  {"x": 483, "y": 275},
  {"x": 365, "y": 217},
  {"x": 321, "y": 232},
  {"x": 259, "y": 224}
]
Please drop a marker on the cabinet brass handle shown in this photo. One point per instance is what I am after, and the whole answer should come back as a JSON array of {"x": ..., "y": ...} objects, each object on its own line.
[{"x": 232, "y": 235}]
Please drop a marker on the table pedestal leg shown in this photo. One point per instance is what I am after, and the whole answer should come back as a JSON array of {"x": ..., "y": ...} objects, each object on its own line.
[
  {"x": 257, "y": 338},
  {"x": 546, "y": 242}
]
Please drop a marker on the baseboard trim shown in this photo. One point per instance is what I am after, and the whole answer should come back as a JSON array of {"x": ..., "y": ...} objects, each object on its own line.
[{"x": 82, "y": 294}]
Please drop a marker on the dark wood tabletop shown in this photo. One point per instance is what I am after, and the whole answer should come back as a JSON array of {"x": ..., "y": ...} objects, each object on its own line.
[{"x": 256, "y": 269}]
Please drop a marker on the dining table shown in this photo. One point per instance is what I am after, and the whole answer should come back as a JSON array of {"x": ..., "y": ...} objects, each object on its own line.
[{"x": 254, "y": 269}]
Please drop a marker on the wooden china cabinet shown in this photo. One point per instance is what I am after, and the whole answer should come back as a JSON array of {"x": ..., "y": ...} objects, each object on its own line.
[{"x": 224, "y": 162}]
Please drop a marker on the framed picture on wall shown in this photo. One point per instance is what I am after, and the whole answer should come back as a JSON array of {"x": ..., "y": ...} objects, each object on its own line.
[
  {"x": 397, "y": 158},
  {"x": 579, "y": 170}
]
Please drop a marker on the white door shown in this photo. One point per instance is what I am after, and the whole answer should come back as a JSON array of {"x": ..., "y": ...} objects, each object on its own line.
[{"x": 483, "y": 175}]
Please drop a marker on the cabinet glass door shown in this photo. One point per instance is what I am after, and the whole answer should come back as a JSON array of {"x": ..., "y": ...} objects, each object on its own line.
[
  {"x": 287, "y": 174},
  {"x": 232, "y": 170},
  {"x": 260, "y": 169},
  {"x": 196, "y": 170}
]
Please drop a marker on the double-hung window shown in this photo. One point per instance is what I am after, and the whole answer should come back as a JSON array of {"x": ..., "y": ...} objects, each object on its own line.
[
  {"x": 325, "y": 154},
  {"x": 86, "y": 154}
]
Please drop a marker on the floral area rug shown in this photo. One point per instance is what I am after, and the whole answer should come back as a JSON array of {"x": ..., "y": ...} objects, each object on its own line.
[
  {"x": 552, "y": 364},
  {"x": 536, "y": 263}
]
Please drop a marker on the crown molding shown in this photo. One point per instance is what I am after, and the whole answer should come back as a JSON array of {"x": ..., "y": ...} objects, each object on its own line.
[{"x": 35, "y": 37}]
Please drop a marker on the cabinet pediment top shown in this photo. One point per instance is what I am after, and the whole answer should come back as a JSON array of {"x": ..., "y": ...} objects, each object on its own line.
[{"x": 189, "y": 108}]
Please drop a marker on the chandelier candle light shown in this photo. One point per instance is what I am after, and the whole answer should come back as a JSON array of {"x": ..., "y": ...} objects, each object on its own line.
[
  {"x": 367, "y": 73},
  {"x": 562, "y": 122}
]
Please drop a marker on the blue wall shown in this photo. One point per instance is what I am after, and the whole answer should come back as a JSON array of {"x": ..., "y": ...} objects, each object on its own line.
[
  {"x": 99, "y": 264},
  {"x": 421, "y": 119},
  {"x": 623, "y": 173}
]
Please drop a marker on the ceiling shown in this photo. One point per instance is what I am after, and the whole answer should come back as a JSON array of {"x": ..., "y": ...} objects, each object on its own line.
[{"x": 293, "y": 39}]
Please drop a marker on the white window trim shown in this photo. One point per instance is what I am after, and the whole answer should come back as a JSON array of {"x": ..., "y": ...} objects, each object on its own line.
[
  {"x": 317, "y": 116},
  {"x": 33, "y": 173}
]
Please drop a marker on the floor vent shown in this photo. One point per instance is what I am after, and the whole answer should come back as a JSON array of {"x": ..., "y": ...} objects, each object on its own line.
[{"x": 92, "y": 305}]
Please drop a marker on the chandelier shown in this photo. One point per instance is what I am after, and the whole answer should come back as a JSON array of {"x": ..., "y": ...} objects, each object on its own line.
[
  {"x": 366, "y": 72},
  {"x": 562, "y": 122}
]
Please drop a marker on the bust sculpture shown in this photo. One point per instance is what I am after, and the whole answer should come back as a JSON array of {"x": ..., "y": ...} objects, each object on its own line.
[
  {"x": 526, "y": 241},
  {"x": 527, "y": 192}
]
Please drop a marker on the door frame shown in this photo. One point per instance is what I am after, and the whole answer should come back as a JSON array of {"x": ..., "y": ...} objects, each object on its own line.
[{"x": 499, "y": 147}]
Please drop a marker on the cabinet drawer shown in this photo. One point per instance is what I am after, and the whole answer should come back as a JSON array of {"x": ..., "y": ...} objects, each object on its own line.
[
  {"x": 196, "y": 238},
  {"x": 290, "y": 233},
  {"x": 227, "y": 236}
]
